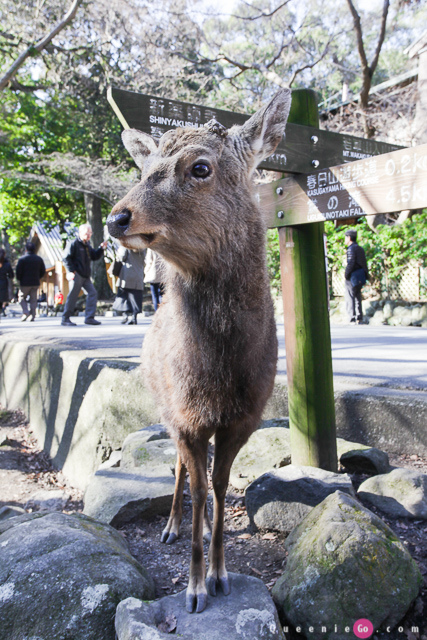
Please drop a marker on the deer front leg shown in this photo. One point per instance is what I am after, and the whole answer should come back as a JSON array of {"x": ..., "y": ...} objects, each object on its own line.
[
  {"x": 171, "y": 531},
  {"x": 225, "y": 452},
  {"x": 195, "y": 454}
]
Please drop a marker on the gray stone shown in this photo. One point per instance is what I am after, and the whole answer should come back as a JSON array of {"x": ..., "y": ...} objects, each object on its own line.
[
  {"x": 281, "y": 498},
  {"x": 10, "y": 511},
  {"x": 275, "y": 422},
  {"x": 62, "y": 577},
  {"x": 377, "y": 318},
  {"x": 118, "y": 496},
  {"x": 152, "y": 455},
  {"x": 147, "y": 434},
  {"x": 400, "y": 493},
  {"x": 400, "y": 311},
  {"x": 45, "y": 500},
  {"x": 388, "y": 310},
  {"x": 360, "y": 458},
  {"x": 113, "y": 460},
  {"x": 419, "y": 313},
  {"x": 266, "y": 449},
  {"x": 248, "y": 613},
  {"x": 344, "y": 563}
]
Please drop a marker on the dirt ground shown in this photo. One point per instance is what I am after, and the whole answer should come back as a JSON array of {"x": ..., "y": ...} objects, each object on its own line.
[{"x": 24, "y": 470}]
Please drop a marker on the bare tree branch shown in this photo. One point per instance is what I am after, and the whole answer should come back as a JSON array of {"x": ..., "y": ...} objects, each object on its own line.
[
  {"x": 262, "y": 14},
  {"x": 40, "y": 45},
  {"x": 27, "y": 88},
  {"x": 368, "y": 69}
]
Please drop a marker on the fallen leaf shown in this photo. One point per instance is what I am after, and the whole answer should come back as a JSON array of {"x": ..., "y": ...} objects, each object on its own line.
[
  {"x": 269, "y": 536},
  {"x": 245, "y": 536},
  {"x": 259, "y": 573},
  {"x": 177, "y": 579}
]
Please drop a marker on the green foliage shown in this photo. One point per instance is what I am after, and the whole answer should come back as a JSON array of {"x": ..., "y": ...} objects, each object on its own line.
[
  {"x": 389, "y": 249},
  {"x": 273, "y": 258}
]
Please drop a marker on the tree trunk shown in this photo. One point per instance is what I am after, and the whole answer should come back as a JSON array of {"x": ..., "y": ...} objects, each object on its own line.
[
  {"x": 94, "y": 218},
  {"x": 5, "y": 243}
]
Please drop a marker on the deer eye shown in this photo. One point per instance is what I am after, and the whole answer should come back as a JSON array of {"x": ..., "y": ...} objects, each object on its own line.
[{"x": 201, "y": 170}]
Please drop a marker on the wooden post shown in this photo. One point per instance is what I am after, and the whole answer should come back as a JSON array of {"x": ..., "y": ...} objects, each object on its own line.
[{"x": 307, "y": 329}]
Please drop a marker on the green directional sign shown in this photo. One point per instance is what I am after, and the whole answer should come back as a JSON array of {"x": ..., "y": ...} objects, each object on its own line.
[{"x": 302, "y": 149}]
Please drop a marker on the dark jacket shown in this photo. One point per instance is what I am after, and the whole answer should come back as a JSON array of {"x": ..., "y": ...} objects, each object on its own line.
[
  {"x": 6, "y": 272},
  {"x": 29, "y": 270},
  {"x": 78, "y": 255},
  {"x": 356, "y": 259}
]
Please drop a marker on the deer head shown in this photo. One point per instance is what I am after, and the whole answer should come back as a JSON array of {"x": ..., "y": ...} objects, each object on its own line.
[{"x": 193, "y": 185}]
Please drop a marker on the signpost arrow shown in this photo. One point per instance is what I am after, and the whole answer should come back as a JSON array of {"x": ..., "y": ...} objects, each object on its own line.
[
  {"x": 391, "y": 182},
  {"x": 302, "y": 150}
]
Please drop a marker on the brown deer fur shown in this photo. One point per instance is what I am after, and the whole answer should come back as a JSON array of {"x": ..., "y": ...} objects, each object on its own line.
[{"x": 210, "y": 354}]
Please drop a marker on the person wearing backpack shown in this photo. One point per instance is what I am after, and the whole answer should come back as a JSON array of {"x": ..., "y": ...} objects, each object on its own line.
[{"x": 356, "y": 275}]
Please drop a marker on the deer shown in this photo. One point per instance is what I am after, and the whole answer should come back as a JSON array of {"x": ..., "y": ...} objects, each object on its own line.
[{"x": 209, "y": 356}]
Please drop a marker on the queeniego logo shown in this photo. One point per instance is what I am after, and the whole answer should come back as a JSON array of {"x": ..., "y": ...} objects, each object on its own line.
[{"x": 363, "y": 628}]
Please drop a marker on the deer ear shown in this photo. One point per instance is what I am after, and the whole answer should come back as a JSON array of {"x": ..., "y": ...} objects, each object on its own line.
[
  {"x": 139, "y": 145},
  {"x": 264, "y": 130}
]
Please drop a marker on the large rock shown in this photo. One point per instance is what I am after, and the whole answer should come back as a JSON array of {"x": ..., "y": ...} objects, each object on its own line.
[
  {"x": 45, "y": 500},
  {"x": 156, "y": 457},
  {"x": 400, "y": 493},
  {"x": 344, "y": 563},
  {"x": 281, "y": 498},
  {"x": 118, "y": 496},
  {"x": 419, "y": 313},
  {"x": 147, "y": 434},
  {"x": 10, "y": 511},
  {"x": 266, "y": 449},
  {"x": 377, "y": 319},
  {"x": 63, "y": 576},
  {"x": 248, "y": 613},
  {"x": 361, "y": 458}
]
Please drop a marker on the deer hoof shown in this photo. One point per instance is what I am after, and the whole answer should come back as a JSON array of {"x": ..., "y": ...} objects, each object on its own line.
[
  {"x": 225, "y": 586},
  {"x": 202, "y": 600},
  {"x": 211, "y": 585},
  {"x": 168, "y": 538},
  {"x": 193, "y": 601},
  {"x": 190, "y": 601}
]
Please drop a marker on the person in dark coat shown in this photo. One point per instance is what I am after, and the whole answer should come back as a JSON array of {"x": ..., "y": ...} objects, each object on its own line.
[
  {"x": 6, "y": 276},
  {"x": 130, "y": 284},
  {"x": 77, "y": 260},
  {"x": 356, "y": 262},
  {"x": 29, "y": 270}
]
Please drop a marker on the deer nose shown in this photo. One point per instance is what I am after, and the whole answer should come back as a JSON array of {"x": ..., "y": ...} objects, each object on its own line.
[{"x": 118, "y": 223}]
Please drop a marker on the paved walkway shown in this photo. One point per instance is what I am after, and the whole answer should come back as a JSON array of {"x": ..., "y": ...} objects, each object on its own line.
[{"x": 384, "y": 356}]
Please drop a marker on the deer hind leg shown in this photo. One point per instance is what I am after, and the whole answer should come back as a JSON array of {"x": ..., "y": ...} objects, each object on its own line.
[
  {"x": 225, "y": 452},
  {"x": 171, "y": 531},
  {"x": 195, "y": 453}
]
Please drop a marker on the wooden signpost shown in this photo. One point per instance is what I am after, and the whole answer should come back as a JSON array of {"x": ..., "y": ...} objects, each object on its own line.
[
  {"x": 383, "y": 184},
  {"x": 304, "y": 148},
  {"x": 336, "y": 177}
]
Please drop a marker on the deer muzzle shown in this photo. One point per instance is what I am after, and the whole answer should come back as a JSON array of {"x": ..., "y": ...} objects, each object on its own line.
[{"x": 118, "y": 223}]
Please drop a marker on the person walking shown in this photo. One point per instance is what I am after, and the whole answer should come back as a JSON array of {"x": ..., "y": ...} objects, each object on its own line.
[
  {"x": 356, "y": 274},
  {"x": 29, "y": 271},
  {"x": 153, "y": 276},
  {"x": 6, "y": 277},
  {"x": 130, "y": 284},
  {"x": 77, "y": 260}
]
